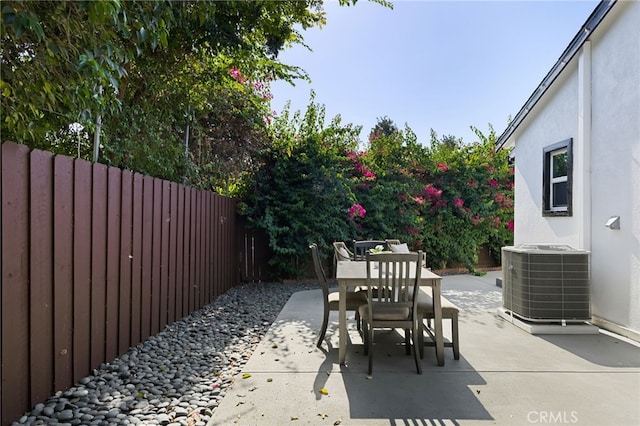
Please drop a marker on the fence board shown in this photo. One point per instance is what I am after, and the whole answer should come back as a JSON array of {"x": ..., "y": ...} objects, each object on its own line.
[
  {"x": 179, "y": 251},
  {"x": 136, "y": 259},
  {"x": 114, "y": 191},
  {"x": 15, "y": 276},
  {"x": 99, "y": 263},
  {"x": 204, "y": 251},
  {"x": 41, "y": 274},
  {"x": 173, "y": 232},
  {"x": 63, "y": 272},
  {"x": 187, "y": 249},
  {"x": 208, "y": 296},
  {"x": 164, "y": 254},
  {"x": 82, "y": 184},
  {"x": 147, "y": 241},
  {"x": 156, "y": 253},
  {"x": 124, "y": 303},
  {"x": 193, "y": 283},
  {"x": 229, "y": 227},
  {"x": 195, "y": 231}
]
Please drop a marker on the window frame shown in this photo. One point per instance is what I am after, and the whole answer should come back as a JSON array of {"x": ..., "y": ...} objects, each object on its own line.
[{"x": 548, "y": 209}]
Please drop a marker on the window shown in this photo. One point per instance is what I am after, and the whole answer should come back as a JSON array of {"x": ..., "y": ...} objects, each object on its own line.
[{"x": 558, "y": 159}]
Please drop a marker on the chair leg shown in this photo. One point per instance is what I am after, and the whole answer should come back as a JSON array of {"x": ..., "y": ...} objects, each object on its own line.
[
  {"x": 417, "y": 328},
  {"x": 454, "y": 336},
  {"x": 407, "y": 340},
  {"x": 365, "y": 337},
  {"x": 420, "y": 336},
  {"x": 370, "y": 346},
  {"x": 358, "y": 325},
  {"x": 325, "y": 322}
]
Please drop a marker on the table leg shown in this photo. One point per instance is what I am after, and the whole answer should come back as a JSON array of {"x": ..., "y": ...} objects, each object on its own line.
[
  {"x": 437, "y": 314},
  {"x": 342, "y": 324}
]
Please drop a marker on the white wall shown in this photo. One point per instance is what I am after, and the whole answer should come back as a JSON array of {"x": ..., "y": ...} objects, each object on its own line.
[
  {"x": 615, "y": 168},
  {"x": 598, "y": 106},
  {"x": 553, "y": 120}
]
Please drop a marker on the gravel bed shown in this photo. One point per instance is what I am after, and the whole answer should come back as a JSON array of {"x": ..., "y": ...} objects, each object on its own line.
[{"x": 179, "y": 376}]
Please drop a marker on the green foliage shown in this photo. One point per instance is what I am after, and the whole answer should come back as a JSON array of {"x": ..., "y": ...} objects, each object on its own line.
[
  {"x": 446, "y": 199},
  {"x": 299, "y": 195},
  {"x": 149, "y": 70}
]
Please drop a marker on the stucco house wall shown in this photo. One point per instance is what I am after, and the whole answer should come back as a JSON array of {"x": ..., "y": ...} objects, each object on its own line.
[
  {"x": 615, "y": 166},
  {"x": 595, "y": 100}
]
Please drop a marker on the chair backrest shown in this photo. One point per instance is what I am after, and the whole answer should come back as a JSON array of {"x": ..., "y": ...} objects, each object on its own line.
[
  {"x": 399, "y": 277},
  {"x": 361, "y": 248},
  {"x": 341, "y": 251},
  {"x": 391, "y": 242},
  {"x": 317, "y": 264}
]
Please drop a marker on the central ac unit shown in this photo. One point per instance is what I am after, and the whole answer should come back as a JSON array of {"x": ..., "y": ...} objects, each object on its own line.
[{"x": 546, "y": 283}]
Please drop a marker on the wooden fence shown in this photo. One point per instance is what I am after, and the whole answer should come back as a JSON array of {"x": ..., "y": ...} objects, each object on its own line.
[{"x": 95, "y": 260}]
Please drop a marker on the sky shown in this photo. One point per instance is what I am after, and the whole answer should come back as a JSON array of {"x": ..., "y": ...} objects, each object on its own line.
[{"x": 441, "y": 65}]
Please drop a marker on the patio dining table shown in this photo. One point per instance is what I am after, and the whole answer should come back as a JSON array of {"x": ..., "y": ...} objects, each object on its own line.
[{"x": 354, "y": 274}]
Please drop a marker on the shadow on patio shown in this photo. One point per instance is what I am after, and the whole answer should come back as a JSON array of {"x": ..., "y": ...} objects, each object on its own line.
[{"x": 504, "y": 375}]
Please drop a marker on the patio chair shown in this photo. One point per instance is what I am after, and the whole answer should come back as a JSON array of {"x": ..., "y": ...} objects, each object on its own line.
[
  {"x": 395, "y": 305},
  {"x": 341, "y": 251},
  {"x": 361, "y": 248},
  {"x": 332, "y": 298},
  {"x": 396, "y": 246},
  {"x": 425, "y": 312}
]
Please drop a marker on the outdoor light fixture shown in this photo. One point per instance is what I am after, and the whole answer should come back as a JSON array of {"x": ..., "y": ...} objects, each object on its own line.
[{"x": 613, "y": 222}]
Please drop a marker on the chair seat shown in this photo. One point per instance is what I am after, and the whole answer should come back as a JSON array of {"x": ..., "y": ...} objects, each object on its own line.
[
  {"x": 449, "y": 311},
  {"x": 385, "y": 312},
  {"x": 354, "y": 300},
  {"x": 425, "y": 306}
]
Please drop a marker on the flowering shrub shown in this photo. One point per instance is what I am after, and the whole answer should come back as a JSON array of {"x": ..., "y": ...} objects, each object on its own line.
[{"x": 446, "y": 200}]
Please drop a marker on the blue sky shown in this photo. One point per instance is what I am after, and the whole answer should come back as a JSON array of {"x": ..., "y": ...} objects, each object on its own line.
[{"x": 441, "y": 65}]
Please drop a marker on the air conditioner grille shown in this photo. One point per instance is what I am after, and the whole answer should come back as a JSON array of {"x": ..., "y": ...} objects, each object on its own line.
[{"x": 546, "y": 284}]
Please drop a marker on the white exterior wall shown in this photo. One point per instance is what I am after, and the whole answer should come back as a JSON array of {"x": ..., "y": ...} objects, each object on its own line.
[
  {"x": 554, "y": 119},
  {"x": 595, "y": 101},
  {"x": 615, "y": 168}
]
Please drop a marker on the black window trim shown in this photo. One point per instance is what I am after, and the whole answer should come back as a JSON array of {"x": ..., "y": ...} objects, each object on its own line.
[{"x": 546, "y": 180}]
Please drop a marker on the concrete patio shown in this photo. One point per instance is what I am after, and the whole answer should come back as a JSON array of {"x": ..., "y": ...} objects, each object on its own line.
[{"x": 505, "y": 376}]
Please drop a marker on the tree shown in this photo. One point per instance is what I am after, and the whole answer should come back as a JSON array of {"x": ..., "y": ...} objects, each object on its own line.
[{"x": 129, "y": 63}]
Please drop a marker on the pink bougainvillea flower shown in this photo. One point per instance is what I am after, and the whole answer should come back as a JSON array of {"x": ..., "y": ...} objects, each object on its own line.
[
  {"x": 491, "y": 168},
  {"x": 493, "y": 182},
  {"x": 357, "y": 211},
  {"x": 472, "y": 183},
  {"x": 458, "y": 202},
  {"x": 419, "y": 200},
  {"x": 443, "y": 167},
  {"x": 432, "y": 193},
  {"x": 510, "y": 225}
]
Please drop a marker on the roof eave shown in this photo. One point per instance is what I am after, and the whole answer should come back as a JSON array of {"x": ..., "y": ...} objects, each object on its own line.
[{"x": 574, "y": 47}]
